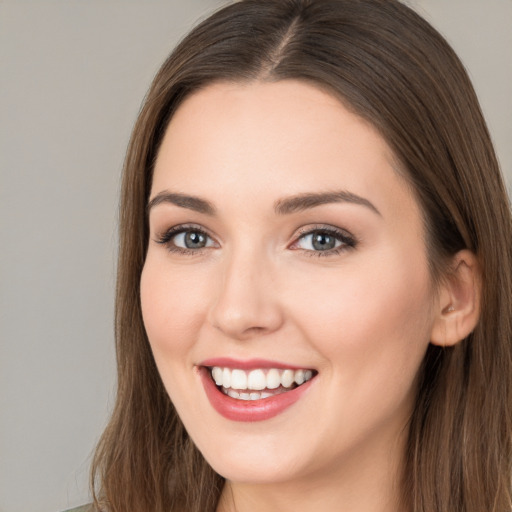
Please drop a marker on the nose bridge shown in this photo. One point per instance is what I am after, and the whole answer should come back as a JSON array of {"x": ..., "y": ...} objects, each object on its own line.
[{"x": 246, "y": 302}]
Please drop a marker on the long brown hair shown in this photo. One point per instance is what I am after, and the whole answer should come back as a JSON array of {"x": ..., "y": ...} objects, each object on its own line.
[{"x": 389, "y": 66}]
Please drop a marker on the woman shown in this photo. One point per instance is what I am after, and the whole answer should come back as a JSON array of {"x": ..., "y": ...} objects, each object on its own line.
[{"x": 313, "y": 303}]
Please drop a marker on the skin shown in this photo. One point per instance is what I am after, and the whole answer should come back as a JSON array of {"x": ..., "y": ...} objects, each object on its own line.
[{"x": 362, "y": 316}]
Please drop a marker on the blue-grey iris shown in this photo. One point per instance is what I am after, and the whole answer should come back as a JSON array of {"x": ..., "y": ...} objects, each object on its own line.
[
  {"x": 323, "y": 241},
  {"x": 194, "y": 240}
]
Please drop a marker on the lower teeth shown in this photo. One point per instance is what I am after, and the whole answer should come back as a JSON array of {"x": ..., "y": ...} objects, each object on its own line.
[{"x": 253, "y": 395}]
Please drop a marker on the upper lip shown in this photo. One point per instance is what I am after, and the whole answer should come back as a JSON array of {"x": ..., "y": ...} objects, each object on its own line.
[{"x": 249, "y": 364}]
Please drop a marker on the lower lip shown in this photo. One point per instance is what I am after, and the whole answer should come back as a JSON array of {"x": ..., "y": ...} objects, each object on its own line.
[{"x": 249, "y": 410}]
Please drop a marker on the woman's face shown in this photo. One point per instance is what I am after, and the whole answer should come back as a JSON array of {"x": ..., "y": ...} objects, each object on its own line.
[{"x": 285, "y": 247}]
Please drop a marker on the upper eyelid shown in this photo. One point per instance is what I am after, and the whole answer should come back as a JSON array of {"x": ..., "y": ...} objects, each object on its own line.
[
  {"x": 348, "y": 240},
  {"x": 166, "y": 239},
  {"x": 301, "y": 232},
  {"x": 166, "y": 236},
  {"x": 180, "y": 228},
  {"x": 323, "y": 227}
]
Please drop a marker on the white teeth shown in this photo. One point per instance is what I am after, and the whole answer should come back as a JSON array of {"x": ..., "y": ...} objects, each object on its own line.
[
  {"x": 273, "y": 379},
  {"x": 226, "y": 378},
  {"x": 217, "y": 375},
  {"x": 246, "y": 396},
  {"x": 238, "y": 379},
  {"x": 287, "y": 378},
  {"x": 299, "y": 377},
  {"x": 257, "y": 380}
]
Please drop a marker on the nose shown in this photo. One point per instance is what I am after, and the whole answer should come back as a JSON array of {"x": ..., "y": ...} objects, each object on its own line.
[{"x": 247, "y": 302}]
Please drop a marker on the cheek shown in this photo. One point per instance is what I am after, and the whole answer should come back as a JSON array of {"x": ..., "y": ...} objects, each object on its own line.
[
  {"x": 171, "y": 306},
  {"x": 376, "y": 316},
  {"x": 371, "y": 329}
]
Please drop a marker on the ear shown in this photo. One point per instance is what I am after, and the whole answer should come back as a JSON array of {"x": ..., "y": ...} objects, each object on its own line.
[{"x": 458, "y": 307}]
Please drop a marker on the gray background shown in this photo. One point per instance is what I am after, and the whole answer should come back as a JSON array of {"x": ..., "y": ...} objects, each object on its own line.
[{"x": 73, "y": 74}]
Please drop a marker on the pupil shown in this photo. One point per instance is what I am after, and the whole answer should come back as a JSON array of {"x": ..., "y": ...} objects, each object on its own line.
[
  {"x": 323, "y": 242},
  {"x": 194, "y": 240}
]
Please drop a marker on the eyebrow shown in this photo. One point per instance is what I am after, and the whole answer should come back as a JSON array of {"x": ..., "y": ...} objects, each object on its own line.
[
  {"x": 284, "y": 206},
  {"x": 184, "y": 201},
  {"x": 306, "y": 201}
]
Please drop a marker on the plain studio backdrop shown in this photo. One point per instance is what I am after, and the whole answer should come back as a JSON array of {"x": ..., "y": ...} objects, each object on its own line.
[{"x": 73, "y": 75}]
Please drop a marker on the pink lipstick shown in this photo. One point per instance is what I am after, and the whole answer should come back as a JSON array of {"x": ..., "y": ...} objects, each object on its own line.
[{"x": 253, "y": 390}]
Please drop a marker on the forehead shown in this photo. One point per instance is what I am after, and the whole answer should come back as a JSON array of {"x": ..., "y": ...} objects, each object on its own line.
[{"x": 262, "y": 140}]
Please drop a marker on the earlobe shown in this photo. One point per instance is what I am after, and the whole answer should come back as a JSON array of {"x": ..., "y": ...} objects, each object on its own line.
[{"x": 458, "y": 308}]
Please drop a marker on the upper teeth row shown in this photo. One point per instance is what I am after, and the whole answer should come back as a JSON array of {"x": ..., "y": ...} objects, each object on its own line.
[{"x": 259, "y": 379}]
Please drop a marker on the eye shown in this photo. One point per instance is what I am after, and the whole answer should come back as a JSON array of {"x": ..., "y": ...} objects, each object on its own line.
[
  {"x": 324, "y": 240},
  {"x": 191, "y": 240},
  {"x": 186, "y": 239}
]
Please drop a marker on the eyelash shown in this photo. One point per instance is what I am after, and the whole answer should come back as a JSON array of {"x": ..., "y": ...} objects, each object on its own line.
[
  {"x": 167, "y": 239},
  {"x": 347, "y": 240}
]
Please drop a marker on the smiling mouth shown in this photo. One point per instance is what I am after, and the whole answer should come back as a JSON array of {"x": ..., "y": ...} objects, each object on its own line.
[{"x": 259, "y": 383}]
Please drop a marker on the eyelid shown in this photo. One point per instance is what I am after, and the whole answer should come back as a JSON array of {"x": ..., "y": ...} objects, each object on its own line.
[
  {"x": 348, "y": 240},
  {"x": 165, "y": 238}
]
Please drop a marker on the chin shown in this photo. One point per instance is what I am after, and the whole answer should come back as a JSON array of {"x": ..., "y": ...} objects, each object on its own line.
[
  {"x": 264, "y": 470},
  {"x": 251, "y": 459}
]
